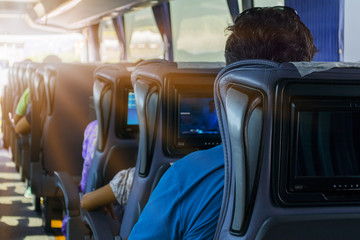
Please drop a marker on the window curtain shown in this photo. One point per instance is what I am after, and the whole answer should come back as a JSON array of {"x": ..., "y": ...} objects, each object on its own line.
[{"x": 325, "y": 19}]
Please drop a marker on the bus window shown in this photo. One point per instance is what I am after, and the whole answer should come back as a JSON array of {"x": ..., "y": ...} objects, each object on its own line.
[
  {"x": 109, "y": 46},
  {"x": 198, "y": 29},
  {"x": 268, "y": 3},
  {"x": 143, "y": 39},
  {"x": 351, "y": 33},
  {"x": 68, "y": 47}
]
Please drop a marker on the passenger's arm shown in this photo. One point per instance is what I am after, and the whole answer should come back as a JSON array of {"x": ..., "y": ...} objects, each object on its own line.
[
  {"x": 117, "y": 189},
  {"x": 101, "y": 197},
  {"x": 17, "y": 118},
  {"x": 22, "y": 126}
]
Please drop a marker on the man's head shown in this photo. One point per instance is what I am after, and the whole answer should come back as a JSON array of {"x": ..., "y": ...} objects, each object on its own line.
[{"x": 275, "y": 33}]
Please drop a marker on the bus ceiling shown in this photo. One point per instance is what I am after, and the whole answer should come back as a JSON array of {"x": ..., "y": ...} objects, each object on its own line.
[
  {"x": 34, "y": 17},
  {"x": 76, "y": 14},
  {"x": 59, "y": 16}
]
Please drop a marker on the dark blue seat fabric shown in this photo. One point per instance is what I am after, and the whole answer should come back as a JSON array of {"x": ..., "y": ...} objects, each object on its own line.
[
  {"x": 117, "y": 143},
  {"x": 68, "y": 88},
  {"x": 32, "y": 138},
  {"x": 67, "y": 91},
  {"x": 5, "y": 127},
  {"x": 10, "y": 99},
  {"x": 21, "y": 74},
  {"x": 116, "y": 146},
  {"x": 38, "y": 116},
  {"x": 153, "y": 83},
  {"x": 13, "y": 99},
  {"x": 7, "y": 106},
  {"x": 38, "y": 109},
  {"x": 21, "y": 85},
  {"x": 253, "y": 99},
  {"x": 116, "y": 149}
]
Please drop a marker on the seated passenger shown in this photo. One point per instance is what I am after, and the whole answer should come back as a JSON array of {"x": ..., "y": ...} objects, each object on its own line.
[
  {"x": 186, "y": 203},
  {"x": 88, "y": 149},
  {"x": 22, "y": 118},
  {"x": 117, "y": 190},
  {"x": 23, "y": 125},
  {"x": 22, "y": 105},
  {"x": 52, "y": 59}
]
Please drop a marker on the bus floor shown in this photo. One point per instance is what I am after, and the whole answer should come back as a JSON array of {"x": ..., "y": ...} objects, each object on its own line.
[{"x": 18, "y": 220}]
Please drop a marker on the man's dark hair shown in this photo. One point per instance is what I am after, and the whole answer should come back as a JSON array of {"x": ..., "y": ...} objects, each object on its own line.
[{"x": 274, "y": 33}]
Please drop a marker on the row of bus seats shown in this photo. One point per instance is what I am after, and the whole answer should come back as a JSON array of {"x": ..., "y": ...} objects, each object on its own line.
[
  {"x": 164, "y": 92},
  {"x": 59, "y": 110},
  {"x": 116, "y": 147},
  {"x": 258, "y": 203},
  {"x": 266, "y": 196},
  {"x": 14, "y": 92},
  {"x": 19, "y": 79},
  {"x": 59, "y": 98},
  {"x": 157, "y": 85},
  {"x": 263, "y": 108},
  {"x": 68, "y": 88}
]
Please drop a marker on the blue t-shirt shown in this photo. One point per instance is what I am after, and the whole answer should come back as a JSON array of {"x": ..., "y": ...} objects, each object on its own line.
[
  {"x": 187, "y": 201},
  {"x": 210, "y": 122}
]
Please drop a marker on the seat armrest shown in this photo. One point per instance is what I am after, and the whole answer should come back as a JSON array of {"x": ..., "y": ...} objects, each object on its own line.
[
  {"x": 71, "y": 194},
  {"x": 99, "y": 224}
]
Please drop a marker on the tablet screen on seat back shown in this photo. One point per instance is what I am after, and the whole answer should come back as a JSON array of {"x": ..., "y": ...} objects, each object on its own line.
[
  {"x": 197, "y": 116},
  {"x": 325, "y": 145},
  {"x": 132, "y": 118}
]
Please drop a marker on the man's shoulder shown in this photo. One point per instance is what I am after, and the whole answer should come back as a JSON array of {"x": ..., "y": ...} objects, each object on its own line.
[
  {"x": 201, "y": 160},
  {"x": 214, "y": 152}
]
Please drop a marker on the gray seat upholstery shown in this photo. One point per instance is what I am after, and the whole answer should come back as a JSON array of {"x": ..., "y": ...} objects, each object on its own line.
[
  {"x": 67, "y": 91},
  {"x": 116, "y": 149},
  {"x": 254, "y": 99},
  {"x": 155, "y": 94}
]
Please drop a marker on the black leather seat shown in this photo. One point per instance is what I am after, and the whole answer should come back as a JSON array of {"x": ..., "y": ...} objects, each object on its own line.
[
  {"x": 21, "y": 85},
  {"x": 263, "y": 144},
  {"x": 116, "y": 148},
  {"x": 11, "y": 106},
  {"x": 26, "y": 139},
  {"x": 67, "y": 88},
  {"x": 7, "y": 92},
  {"x": 38, "y": 116},
  {"x": 156, "y": 83},
  {"x": 5, "y": 109},
  {"x": 117, "y": 143}
]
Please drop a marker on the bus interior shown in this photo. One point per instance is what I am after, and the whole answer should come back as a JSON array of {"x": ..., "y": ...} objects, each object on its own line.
[{"x": 151, "y": 73}]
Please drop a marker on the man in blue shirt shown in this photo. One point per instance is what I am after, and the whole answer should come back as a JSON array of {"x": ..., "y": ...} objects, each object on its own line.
[
  {"x": 176, "y": 207},
  {"x": 187, "y": 201}
]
